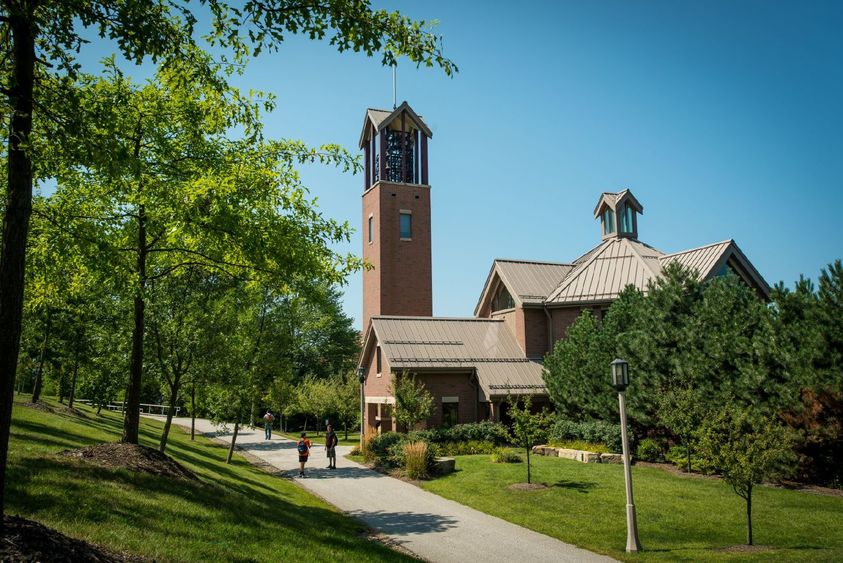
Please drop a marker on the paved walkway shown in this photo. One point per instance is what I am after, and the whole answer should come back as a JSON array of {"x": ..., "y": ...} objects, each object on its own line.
[{"x": 434, "y": 528}]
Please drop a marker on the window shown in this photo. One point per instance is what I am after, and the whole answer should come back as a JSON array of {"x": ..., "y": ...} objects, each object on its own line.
[
  {"x": 608, "y": 222},
  {"x": 450, "y": 414},
  {"x": 626, "y": 220},
  {"x": 503, "y": 300},
  {"x": 371, "y": 228},
  {"x": 406, "y": 225},
  {"x": 378, "y": 359}
]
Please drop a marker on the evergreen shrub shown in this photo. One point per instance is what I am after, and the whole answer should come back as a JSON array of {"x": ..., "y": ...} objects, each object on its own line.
[{"x": 595, "y": 431}]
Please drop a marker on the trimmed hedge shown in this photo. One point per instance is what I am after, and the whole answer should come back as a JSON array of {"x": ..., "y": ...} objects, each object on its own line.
[{"x": 591, "y": 431}]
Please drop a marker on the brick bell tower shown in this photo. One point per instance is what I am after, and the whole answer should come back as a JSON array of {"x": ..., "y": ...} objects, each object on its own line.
[{"x": 396, "y": 214}]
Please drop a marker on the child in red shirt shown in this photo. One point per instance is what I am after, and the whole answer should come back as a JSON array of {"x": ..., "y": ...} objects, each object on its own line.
[{"x": 303, "y": 446}]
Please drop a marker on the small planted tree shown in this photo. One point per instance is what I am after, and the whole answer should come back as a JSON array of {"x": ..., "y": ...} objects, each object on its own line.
[
  {"x": 682, "y": 411},
  {"x": 413, "y": 402},
  {"x": 527, "y": 427},
  {"x": 746, "y": 448}
]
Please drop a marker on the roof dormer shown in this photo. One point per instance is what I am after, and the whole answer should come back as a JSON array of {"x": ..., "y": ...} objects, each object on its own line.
[{"x": 618, "y": 213}]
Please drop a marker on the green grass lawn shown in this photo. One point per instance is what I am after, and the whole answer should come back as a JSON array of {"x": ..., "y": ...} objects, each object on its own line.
[
  {"x": 353, "y": 437},
  {"x": 236, "y": 513},
  {"x": 679, "y": 518}
]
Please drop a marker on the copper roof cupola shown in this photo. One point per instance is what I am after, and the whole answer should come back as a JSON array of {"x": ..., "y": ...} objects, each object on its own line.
[
  {"x": 618, "y": 213},
  {"x": 394, "y": 146}
]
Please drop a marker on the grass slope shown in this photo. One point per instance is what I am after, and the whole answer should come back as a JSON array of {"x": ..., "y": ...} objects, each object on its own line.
[
  {"x": 236, "y": 513},
  {"x": 679, "y": 518}
]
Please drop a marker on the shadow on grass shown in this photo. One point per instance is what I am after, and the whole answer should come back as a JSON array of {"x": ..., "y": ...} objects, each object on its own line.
[
  {"x": 180, "y": 510},
  {"x": 578, "y": 486}
]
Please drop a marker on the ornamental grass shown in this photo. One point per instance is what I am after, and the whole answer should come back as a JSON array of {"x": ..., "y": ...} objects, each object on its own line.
[{"x": 415, "y": 460}]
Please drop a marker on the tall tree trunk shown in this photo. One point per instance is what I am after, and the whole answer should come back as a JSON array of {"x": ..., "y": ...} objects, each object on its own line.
[
  {"x": 75, "y": 367},
  {"x": 233, "y": 441},
  {"x": 42, "y": 359},
  {"x": 346, "y": 430},
  {"x": 193, "y": 408},
  {"x": 16, "y": 218},
  {"x": 749, "y": 516},
  {"x": 132, "y": 418},
  {"x": 174, "y": 395},
  {"x": 253, "y": 411}
]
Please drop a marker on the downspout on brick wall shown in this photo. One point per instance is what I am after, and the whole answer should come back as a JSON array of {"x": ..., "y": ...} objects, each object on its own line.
[{"x": 549, "y": 329}]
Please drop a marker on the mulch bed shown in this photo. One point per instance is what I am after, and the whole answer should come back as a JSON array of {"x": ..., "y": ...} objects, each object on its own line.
[
  {"x": 39, "y": 406},
  {"x": 133, "y": 457},
  {"x": 527, "y": 486},
  {"x": 27, "y": 541}
]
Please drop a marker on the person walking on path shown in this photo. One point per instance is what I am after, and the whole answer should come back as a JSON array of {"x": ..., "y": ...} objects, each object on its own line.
[
  {"x": 303, "y": 446},
  {"x": 331, "y": 447},
  {"x": 268, "y": 418}
]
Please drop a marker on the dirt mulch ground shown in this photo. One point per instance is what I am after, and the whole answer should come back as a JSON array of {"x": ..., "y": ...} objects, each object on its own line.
[
  {"x": 527, "y": 486},
  {"x": 27, "y": 541},
  {"x": 133, "y": 457},
  {"x": 39, "y": 406}
]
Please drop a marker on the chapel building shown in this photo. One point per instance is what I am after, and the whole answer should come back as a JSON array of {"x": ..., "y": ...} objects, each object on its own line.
[{"x": 471, "y": 365}]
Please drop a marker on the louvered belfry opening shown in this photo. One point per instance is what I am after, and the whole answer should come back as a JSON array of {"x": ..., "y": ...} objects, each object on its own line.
[
  {"x": 395, "y": 147},
  {"x": 401, "y": 157}
]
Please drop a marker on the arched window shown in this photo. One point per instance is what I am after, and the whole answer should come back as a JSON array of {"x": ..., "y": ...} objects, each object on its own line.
[{"x": 503, "y": 300}]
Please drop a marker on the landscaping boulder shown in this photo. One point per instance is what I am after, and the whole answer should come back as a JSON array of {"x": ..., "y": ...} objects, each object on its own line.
[
  {"x": 590, "y": 457},
  {"x": 569, "y": 454},
  {"x": 611, "y": 458},
  {"x": 444, "y": 465}
]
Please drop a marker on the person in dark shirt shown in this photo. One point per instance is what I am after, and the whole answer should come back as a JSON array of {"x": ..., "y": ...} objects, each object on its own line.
[
  {"x": 331, "y": 447},
  {"x": 303, "y": 446}
]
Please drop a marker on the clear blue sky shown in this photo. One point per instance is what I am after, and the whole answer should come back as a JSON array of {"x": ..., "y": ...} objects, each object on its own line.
[{"x": 723, "y": 117}]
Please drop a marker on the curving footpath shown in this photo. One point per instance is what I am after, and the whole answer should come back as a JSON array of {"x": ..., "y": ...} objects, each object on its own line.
[{"x": 433, "y": 528}]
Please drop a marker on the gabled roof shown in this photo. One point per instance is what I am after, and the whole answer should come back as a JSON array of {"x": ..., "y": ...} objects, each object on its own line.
[
  {"x": 382, "y": 118},
  {"x": 527, "y": 281},
  {"x": 604, "y": 272},
  {"x": 615, "y": 199},
  {"x": 708, "y": 261},
  {"x": 485, "y": 346}
]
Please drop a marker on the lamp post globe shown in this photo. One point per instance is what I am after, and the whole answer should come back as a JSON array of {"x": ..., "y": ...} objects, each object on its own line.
[
  {"x": 620, "y": 381},
  {"x": 620, "y": 374}
]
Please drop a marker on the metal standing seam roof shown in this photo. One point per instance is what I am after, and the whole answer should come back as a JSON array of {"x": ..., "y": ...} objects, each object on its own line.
[
  {"x": 702, "y": 259},
  {"x": 606, "y": 271},
  {"x": 486, "y": 346},
  {"x": 381, "y": 118},
  {"x": 532, "y": 282}
]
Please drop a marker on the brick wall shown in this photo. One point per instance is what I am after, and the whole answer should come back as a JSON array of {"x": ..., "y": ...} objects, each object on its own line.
[
  {"x": 535, "y": 332},
  {"x": 400, "y": 282},
  {"x": 451, "y": 385},
  {"x": 562, "y": 319}
]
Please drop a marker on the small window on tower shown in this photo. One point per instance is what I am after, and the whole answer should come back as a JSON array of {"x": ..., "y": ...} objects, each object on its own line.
[
  {"x": 371, "y": 228},
  {"x": 406, "y": 225},
  {"x": 378, "y": 359},
  {"x": 626, "y": 220},
  {"x": 608, "y": 222}
]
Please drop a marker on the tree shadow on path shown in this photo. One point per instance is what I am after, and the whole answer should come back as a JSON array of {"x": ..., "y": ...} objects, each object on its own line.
[{"x": 405, "y": 523}]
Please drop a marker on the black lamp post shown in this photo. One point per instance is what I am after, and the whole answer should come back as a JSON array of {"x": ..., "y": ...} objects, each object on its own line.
[
  {"x": 620, "y": 381},
  {"x": 361, "y": 377}
]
